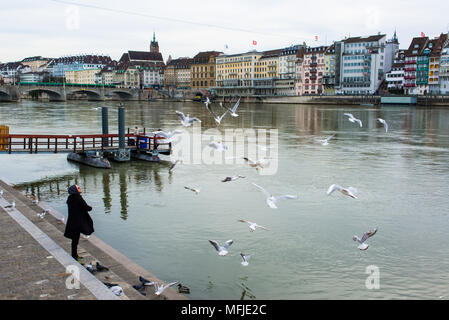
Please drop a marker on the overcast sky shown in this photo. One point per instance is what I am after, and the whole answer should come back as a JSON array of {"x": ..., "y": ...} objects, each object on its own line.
[{"x": 53, "y": 28}]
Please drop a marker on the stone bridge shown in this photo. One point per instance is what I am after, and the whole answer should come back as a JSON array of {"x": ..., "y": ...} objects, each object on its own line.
[{"x": 62, "y": 93}]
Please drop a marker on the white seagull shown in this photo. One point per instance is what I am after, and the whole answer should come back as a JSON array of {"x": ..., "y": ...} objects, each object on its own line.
[
  {"x": 186, "y": 120},
  {"x": 193, "y": 189},
  {"x": 1, "y": 193},
  {"x": 325, "y": 142},
  {"x": 207, "y": 102},
  {"x": 218, "y": 119},
  {"x": 384, "y": 123},
  {"x": 42, "y": 215},
  {"x": 222, "y": 251},
  {"x": 232, "y": 178},
  {"x": 271, "y": 200},
  {"x": 253, "y": 225},
  {"x": 12, "y": 205},
  {"x": 362, "y": 245},
  {"x": 234, "y": 109},
  {"x": 166, "y": 135},
  {"x": 353, "y": 119},
  {"x": 160, "y": 288},
  {"x": 256, "y": 164},
  {"x": 244, "y": 259},
  {"x": 350, "y": 191},
  {"x": 218, "y": 146}
]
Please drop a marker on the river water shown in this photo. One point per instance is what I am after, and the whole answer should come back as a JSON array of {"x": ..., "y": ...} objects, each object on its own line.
[{"x": 144, "y": 211}]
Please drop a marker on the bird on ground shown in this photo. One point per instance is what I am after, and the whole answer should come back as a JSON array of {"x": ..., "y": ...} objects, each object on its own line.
[
  {"x": 349, "y": 191},
  {"x": 325, "y": 142},
  {"x": 183, "y": 289},
  {"x": 161, "y": 288},
  {"x": 271, "y": 200},
  {"x": 145, "y": 282},
  {"x": 167, "y": 135},
  {"x": 43, "y": 213},
  {"x": 220, "y": 146},
  {"x": 353, "y": 119},
  {"x": 117, "y": 290},
  {"x": 35, "y": 201},
  {"x": 234, "y": 108},
  {"x": 253, "y": 225},
  {"x": 1, "y": 193},
  {"x": 90, "y": 268},
  {"x": 186, "y": 121},
  {"x": 256, "y": 164},
  {"x": 101, "y": 268},
  {"x": 12, "y": 205},
  {"x": 192, "y": 189},
  {"x": 173, "y": 165},
  {"x": 232, "y": 178},
  {"x": 362, "y": 245},
  {"x": 244, "y": 259},
  {"x": 384, "y": 123},
  {"x": 222, "y": 250}
]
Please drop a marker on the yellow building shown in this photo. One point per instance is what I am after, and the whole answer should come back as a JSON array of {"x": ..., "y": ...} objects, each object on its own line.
[
  {"x": 177, "y": 73},
  {"x": 202, "y": 69},
  {"x": 81, "y": 76}
]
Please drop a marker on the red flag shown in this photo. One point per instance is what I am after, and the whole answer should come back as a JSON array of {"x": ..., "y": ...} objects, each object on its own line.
[
  {"x": 316, "y": 38},
  {"x": 254, "y": 42},
  {"x": 422, "y": 34}
]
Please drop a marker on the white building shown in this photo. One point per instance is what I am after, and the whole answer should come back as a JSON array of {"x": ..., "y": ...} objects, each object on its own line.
[
  {"x": 364, "y": 63},
  {"x": 285, "y": 85},
  {"x": 444, "y": 71}
]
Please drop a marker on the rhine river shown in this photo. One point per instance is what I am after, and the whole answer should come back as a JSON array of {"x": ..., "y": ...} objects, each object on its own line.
[{"x": 144, "y": 211}]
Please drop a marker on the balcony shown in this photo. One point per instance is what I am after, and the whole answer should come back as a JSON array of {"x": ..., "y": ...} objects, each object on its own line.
[
  {"x": 409, "y": 85},
  {"x": 410, "y": 62},
  {"x": 312, "y": 70},
  {"x": 313, "y": 65},
  {"x": 409, "y": 69},
  {"x": 409, "y": 77},
  {"x": 313, "y": 77}
]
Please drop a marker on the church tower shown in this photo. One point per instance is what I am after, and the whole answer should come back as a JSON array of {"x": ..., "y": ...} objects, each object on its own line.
[{"x": 154, "y": 46}]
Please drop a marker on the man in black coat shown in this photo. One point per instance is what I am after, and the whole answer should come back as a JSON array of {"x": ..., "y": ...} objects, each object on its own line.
[{"x": 79, "y": 220}]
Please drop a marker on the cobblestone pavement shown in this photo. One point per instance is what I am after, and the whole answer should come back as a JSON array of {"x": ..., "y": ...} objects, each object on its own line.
[{"x": 27, "y": 270}]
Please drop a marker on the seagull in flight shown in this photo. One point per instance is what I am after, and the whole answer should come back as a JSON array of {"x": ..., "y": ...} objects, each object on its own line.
[
  {"x": 222, "y": 251},
  {"x": 253, "y": 225},
  {"x": 166, "y": 135},
  {"x": 271, "y": 200},
  {"x": 160, "y": 288},
  {"x": 232, "y": 178},
  {"x": 234, "y": 109},
  {"x": 384, "y": 123},
  {"x": 362, "y": 245},
  {"x": 186, "y": 120},
  {"x": 350, "y": 191},
  {"x": 353, "y": 119},
  {"x": 218, "y": 146},
  {"x": 256, "y": 164},
  {"x": 244, "y": 259},
  {"x": 325, "y": 142},
  {"x": 12, "y": 205},
  {"x": 193, "y": 189}
]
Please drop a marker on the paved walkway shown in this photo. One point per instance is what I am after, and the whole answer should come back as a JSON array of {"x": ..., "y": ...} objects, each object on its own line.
[{"x": 34, "y": 256}]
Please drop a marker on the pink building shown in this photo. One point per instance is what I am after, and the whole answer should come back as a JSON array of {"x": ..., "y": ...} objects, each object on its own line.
[{"x": 313, "y": 71}]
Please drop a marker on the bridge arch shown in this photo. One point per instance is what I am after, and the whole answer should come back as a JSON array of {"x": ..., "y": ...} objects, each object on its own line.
[
  {"x": 4, "y": 96},
  {"x": 91, "y": 95},
  {"x": 53, "y": 95},
  {"x": 123, "y": 95}
]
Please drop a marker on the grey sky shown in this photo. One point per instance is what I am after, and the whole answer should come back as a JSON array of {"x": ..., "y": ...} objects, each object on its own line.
[{"x": 183, "y": 28}]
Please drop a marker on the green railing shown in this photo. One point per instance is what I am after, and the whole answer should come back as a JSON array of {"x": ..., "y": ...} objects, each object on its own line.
[{"x": 59, "y": 84}]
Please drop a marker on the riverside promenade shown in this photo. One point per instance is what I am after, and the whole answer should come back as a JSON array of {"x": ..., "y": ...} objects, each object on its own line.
[{"x": 34, "y": 256}]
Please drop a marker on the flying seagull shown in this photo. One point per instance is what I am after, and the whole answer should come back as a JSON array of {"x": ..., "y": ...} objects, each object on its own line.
[
  {"x": 234, "y": 109},
  {"x": 253, "y": 225},
  {"x": 350, "y": 191},
  {"x": 325, "y": 142},
  {"x": 353, "y": 119},
  {"x": 244, "y": 259},
  {"x": 222, "y": 251},
  {"x": 218, "y": 146},
  {"x": 232, "y": 178},
  {"x": 193, "y": 189},
  {"x": 384, "y": 123},
  {"x": 362, "y": 245},
  {"x": 218, "y": 119},
  {"x": 166, "y": 135},
  {"x": 186, "y": 120},
  {"x": 160, "y": 288},
  {"x": 12, "y": 205},
  {"x": 256, "y": 164},
  {"x": 271, "y": 200}
]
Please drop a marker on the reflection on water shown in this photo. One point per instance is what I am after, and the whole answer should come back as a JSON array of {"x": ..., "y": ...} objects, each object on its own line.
[{"x": 144, "y": 211}]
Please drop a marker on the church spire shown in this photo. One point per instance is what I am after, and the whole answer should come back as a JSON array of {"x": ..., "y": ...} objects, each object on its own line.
[{"x": 154, "y": 36}]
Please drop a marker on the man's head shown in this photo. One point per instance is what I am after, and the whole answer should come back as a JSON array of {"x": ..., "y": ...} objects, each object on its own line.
[{"x": 74, "y": 189}]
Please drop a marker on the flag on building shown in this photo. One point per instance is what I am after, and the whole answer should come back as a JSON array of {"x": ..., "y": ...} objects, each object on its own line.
[
  {"x": 254, "y": 42},
  {"x": 422, "y": 34},
  {"x": 316, "y": 38}
]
